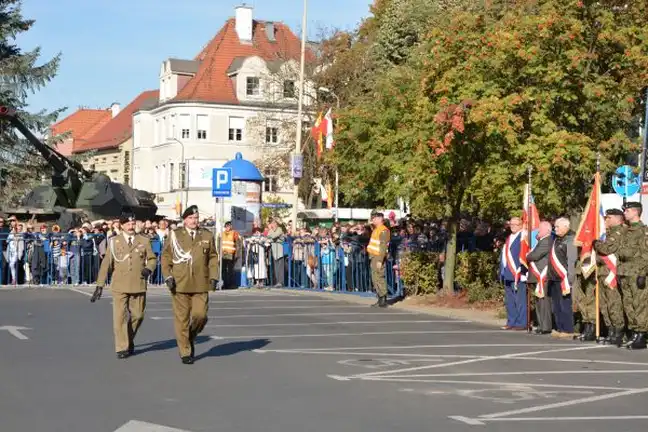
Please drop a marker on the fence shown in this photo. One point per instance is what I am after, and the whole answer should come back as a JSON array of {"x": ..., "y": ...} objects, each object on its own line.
[{"x": 302, "y": 263}]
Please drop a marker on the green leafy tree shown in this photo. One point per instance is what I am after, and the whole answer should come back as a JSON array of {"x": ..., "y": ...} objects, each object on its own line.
[
  {"x": 492, "y": 90},
  {"x": 21, "y": 74}
]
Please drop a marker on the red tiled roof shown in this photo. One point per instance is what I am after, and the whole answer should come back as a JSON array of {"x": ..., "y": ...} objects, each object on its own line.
[
  {"x": 82, "y": 123},
  {"x": 117, "y": 129},
  {"x": 211, "y": 83}
]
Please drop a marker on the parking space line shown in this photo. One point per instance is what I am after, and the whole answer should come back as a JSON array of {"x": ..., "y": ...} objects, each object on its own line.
[
  {"x": 292, "y": 315},
  {"x": 585, "y": 361},
  {"x": 480, "y": 421},
  {"x": 493, "y": 383},
  {"x": 456, "y": 346},
  {"x": 81, "y": 292},
  {"x": 563, "y": 372},
  {"x": 565, "y": 403},
  {"x": 499, "y": 357},
  {"x": 301, "y": 324},
  {"x": 376, "y": 354},
  {"x": 314, "y": 335}
]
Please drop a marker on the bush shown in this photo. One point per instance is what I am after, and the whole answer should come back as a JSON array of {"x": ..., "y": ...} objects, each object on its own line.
[
  {"x": 475, "y": 273},
  {"x": 419, "y": 272}
]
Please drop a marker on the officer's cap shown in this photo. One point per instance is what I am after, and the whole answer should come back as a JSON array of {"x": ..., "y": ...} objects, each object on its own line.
[
  {"x": 632, "y": 204},
  {"x": 613, "y": 212},
  {"x": 126, "y": 218},
  {"x": 192, "y": 210}
]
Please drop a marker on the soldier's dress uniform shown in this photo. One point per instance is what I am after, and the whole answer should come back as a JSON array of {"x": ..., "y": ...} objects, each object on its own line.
[
  {"x": 189, "y": 264},
  {"x": 610, "y": 301},
  {"x": 633, "y": 254},
  {"x": 377, "y": 250},
  {"x": 130, "y": 261},
  {"x": 584, "y": 297}
]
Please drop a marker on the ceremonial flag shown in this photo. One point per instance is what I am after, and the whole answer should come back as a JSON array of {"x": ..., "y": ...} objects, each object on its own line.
[
  {"x": 530, "y": 214},
  {"x": 317, "y": 132},
  {"x": 330, "y": 143},
  {"x": 592, "y": 227}
]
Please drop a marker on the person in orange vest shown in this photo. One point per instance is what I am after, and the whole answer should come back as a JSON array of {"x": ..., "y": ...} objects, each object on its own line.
[
  {"x": 231, "y": 244},
  {"x": 377, "y": 250}
]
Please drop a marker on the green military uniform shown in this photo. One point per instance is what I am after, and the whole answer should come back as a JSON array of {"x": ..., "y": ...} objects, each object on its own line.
[
  {"x": 610, "y": 301},
  {"x": 127, "y": 257},
  {"x": 377, "y": 250},
  {"x": 584, "y": 296},
  {"x": 190, "y": 269}
]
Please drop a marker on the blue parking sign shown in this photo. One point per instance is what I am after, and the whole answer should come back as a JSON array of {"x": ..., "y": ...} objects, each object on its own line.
[{"x": 222, "y": 182}]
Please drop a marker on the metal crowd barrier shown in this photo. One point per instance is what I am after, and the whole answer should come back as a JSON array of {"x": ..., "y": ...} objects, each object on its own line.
[{"x": 33, "y": 259}]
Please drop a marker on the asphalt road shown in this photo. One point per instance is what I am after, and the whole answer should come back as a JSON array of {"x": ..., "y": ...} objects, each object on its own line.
[{"x": 291, "y": 362}]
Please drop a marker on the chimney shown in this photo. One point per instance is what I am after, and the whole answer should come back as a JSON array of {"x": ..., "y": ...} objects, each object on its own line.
[
  {"x": 114, "y": 108},
  {"x": 244, "y": 22},
  {"x": 270, "y": 31}
]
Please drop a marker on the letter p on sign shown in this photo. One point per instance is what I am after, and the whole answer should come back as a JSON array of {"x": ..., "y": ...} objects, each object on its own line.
[{"x": 222, "y": 182}]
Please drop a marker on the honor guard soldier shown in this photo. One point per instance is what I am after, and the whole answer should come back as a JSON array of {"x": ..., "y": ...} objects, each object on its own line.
[
  {"x": 190, "y": 270},
  {"x": 377, "y": 250},
  {"x": 609, "y": 293},
  {"x": 129, "y": 261},
  {"x": 632, "y": 275}
]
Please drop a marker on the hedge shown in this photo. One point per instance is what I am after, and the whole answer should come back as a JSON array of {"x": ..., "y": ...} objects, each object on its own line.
[{"x": 475, "y": 273}]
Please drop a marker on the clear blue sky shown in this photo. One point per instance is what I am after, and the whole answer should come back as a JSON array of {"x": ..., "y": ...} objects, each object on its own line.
[{"x": 112, "y": 49}]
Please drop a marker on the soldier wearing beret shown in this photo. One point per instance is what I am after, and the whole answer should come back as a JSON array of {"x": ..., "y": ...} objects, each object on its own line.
[
  {"x": 190, "y": 269},
  {"x": 611, "y": 303},
  {"x": 130, "y": 261},
  {"x": 377, "y": 250},
  {"x": 632, "y": 275}
]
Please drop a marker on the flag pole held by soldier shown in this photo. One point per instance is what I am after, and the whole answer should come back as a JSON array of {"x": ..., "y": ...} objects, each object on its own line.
[{"x": 129, "y": 261}]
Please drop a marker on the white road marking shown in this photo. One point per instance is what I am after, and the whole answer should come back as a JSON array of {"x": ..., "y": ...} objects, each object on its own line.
[
  {"x": 140, "y": 426},
  {"x": 498, "y": 383},
  {"x": 480, "y": 421},
  {"x": 375, "y": 354},
  {"x": 15, "y": 331},
  {"x": 308, "y": 324},
  {"x": 293, "y": 315},
  {"x": 570, "y": 372},
  {"x": 481, "y": 359},
  {"x": 273, "y": 307},
  {"x": 455, "y": 346},
  {"x": 89, "y": 294},
  {"x": 354, "y": 334},
  {"x": 584, "y": 361},
  {"x": 565, "y": 403}
]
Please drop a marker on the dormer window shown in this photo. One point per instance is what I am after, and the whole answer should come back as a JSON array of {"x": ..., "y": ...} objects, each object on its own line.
[
  {"x": 289, "y": 89},
  {"x": 252, "y": 87}
]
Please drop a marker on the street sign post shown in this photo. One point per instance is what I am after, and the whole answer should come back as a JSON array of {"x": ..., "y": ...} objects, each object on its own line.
[
  {"x": 221, "y": 189},
  {"x": 625, "y": 182}
]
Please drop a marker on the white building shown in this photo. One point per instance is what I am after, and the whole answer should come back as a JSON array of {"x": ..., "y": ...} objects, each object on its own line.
[{"x": 237, "y": 95}]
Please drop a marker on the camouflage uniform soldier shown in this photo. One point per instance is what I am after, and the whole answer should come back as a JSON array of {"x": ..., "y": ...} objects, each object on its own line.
[
  {"x": 585, "y": 300},
  {"x": 611, "y": 303},
  {"x": 632, "y": 275},
  {"x": 377, "y": 250}
]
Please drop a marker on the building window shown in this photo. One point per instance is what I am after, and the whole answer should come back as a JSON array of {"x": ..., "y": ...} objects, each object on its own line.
[
  {"x": 289, "y": 89},
  {"x": 201, "y": 126},
  {"x": 252, "y": 86},
  {"x": 236, "y": 125},
  {"x": 270, "y": 182},
  {"x": 272, "y": 134},
  {"x": 182, "y": 175},
  {"x": 171, "y": 174},
  {"x": 185, "y": 126}
]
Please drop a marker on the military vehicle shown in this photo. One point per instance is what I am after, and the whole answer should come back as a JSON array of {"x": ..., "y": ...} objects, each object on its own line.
[{"x": 75, "y": 195}]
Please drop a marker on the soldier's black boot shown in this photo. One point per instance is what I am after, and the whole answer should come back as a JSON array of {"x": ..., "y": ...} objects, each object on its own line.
[
  {"x": 639, "y": 342},
  {"x": 590, "y": 333},
  {"x": 377, "y": 304},
  {"x": 122, "y": 354},
  {"x": 607, "y": 340},
  {"x": 187, "y": 360},
  {"x": 633, "y": 336},
  {"x": 382, "y": 302},
  {"x": 616, "y": 338}
]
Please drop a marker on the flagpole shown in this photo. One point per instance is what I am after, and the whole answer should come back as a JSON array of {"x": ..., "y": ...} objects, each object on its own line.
[
  {"x": 529, "y": 228},
  {"x": 597, "y": 182}
]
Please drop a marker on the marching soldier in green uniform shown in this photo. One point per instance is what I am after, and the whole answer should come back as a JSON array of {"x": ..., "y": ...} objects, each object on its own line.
[
  {"x": 130, "y": 261},
  {"x": 632, "y": 275},
  {"x": 611, "y": 303},
  {"x": 377, "y": 250},
  {"x": 190, "y": 269},
  {"x": 585, "y": 299}
]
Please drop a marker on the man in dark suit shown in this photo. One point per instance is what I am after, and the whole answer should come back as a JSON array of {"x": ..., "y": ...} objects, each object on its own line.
[
  {"x": 538, "y": 260},
  {"x": 512, "y": 274}
]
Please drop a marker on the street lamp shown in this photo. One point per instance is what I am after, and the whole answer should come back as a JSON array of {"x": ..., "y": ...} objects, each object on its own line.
[
  {"x": 300, "y": 104},
  {"x": 337, "y": 177},
  {"x": 186, "y": 171}
]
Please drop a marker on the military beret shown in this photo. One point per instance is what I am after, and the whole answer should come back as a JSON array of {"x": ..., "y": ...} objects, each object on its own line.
[
  {"x": 126, "y": 218},
  {"x": 191, "y": 210},
  {"x": 632, "y": 204},
  {"x": 613, "y": 212}
]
